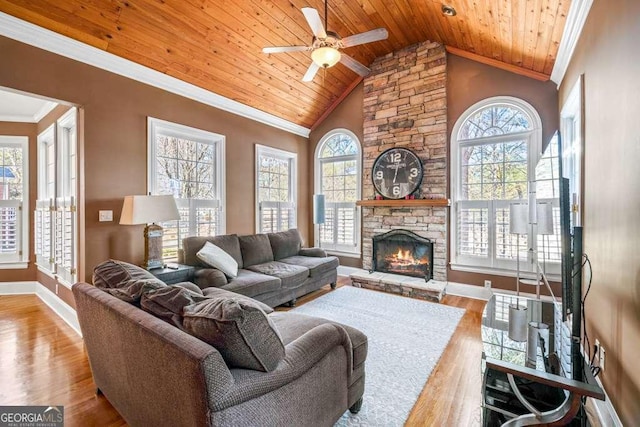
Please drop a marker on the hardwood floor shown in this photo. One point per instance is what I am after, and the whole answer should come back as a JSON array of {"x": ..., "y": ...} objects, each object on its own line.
[{"x": 43, "y": 362}]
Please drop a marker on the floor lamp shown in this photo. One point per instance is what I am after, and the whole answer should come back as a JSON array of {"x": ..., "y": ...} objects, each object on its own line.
[
  {"x": 318, "y": 214},
  {"x": 518, "y": 224}
]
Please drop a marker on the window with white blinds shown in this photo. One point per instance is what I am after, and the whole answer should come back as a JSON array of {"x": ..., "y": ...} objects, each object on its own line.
[
  {"x": 338, "y": 177},
  {"x": 55, "y": 217},
  {"x": 276, "y": 175},
  {"x": 496, "y": 145},
  {"x": 13, "y": 199},
  {"x": 187, "y": 163}
]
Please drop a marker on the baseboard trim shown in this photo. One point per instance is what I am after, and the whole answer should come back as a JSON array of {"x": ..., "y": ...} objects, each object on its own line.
[
  {"x": 606, "y": 413},
  {"x": 18, "y": 288},
  {"x": 468, "y": 291},
  {"x": 59, "y": 307}
]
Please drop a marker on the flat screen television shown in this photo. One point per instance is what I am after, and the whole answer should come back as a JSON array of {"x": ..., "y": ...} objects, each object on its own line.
[{"x": 550, "y": 169}]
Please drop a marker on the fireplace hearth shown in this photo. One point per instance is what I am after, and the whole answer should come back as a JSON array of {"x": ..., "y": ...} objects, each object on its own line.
[{"x": 403, "y": 252}]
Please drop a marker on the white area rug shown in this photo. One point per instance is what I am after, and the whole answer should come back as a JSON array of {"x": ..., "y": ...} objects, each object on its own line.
[{"x": 406, "y": 339}]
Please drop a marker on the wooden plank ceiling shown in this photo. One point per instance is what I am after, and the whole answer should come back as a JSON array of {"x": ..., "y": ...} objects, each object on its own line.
[{"x": 216, "y": 44}]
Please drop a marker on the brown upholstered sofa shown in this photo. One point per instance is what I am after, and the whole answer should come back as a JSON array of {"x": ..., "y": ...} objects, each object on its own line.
[
  {"x": 155, "y": 373},
  {"x": 273, "y": 268}
]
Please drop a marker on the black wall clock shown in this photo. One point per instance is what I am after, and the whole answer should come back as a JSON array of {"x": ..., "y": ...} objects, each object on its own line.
[{"x": 397, "y": 173}]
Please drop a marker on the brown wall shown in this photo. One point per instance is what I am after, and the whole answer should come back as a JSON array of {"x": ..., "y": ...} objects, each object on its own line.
[
  {"x": 115, "y": 147},
  {"x": 347, "y": 115},
  {"x": 28, "y": 130},
  {"x": 470, "y": 82},
  {"x": 608, "y": 56}
]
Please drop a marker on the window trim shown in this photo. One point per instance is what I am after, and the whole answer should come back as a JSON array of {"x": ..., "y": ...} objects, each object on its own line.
[
  {"x": 462, "y": 263},
  {"x": 155, "y": 126},
  {"x": 317, "y": 188},
  {"x": 293, "y": 179},
  {"x": 22, "y": 261}
]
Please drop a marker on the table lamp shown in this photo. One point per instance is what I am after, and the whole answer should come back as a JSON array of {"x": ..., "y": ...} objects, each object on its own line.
[{"x": 150, "y": 210}]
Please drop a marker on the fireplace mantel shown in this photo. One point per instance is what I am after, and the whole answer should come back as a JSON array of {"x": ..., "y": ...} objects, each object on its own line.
[{"x": 404, "y": 203}]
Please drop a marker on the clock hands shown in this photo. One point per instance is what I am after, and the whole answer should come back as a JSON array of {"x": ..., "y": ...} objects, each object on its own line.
[{"x": 397, "y": 167}]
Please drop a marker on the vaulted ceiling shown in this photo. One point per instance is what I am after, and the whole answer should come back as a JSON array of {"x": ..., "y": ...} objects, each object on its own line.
[{"x": 216, "y": 44}]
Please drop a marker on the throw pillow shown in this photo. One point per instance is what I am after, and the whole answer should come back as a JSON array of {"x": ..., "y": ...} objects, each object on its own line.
[
  {"x": 168, "y": 303},
  {"x": 132, "y": 290},
  {"x": 112, "y": 273},
  {"x": 212, "y": 255},
  {"x": 223, "y": 293},
  {"x": 239, "y": 330}
]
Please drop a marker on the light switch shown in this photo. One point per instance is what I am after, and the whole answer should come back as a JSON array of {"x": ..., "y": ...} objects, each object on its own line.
[{"x": 105, "y": 216}]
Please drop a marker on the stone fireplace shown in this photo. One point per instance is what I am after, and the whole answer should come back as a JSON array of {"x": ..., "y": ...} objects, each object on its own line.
[
  {"x": 403, "y": 252},
  {"x": 405, "y": 105}
]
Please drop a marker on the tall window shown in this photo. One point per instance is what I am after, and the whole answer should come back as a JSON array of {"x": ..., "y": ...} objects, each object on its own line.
[
  {"x": 13, "y": 200},
  {"x": 338, "y": 177},
  {"x": 495, "y": 145},
  {"x": 276, "y": 189},
  {"x": 55, "y": 219},
  {"x": 189, "y": 164}
]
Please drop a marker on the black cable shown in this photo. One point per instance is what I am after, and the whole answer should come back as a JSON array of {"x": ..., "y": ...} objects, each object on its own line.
[{"x": 595, "y": 370}]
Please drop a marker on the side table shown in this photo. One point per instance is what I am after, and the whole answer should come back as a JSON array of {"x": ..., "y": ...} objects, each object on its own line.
[{"x": 181, "y": 273}]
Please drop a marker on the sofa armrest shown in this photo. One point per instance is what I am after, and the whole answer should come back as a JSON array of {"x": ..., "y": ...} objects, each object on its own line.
[
  {"x": 301, "y": 355},
  {"x": 313, "y": 252},
  {"x": 207, "y": 277}
]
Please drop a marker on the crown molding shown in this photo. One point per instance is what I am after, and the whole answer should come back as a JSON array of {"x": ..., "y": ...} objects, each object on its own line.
[
  {"x": 576, "y": 18},
  {"x": 46, "y": 109},
  {"x": 17, "y": 118},
  {"x": 42, "y": 38}
]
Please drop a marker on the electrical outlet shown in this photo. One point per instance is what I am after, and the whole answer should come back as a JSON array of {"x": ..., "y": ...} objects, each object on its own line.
[
  {"x": 487, "y": 284},
  {"x": 105, "y": 216},
  {"x": 602, "y": 354}
]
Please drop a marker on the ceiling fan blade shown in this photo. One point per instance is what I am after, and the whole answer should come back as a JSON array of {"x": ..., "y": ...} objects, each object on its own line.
[
  {"x": 311, "y": 72},
  {"x": 314, "y": 21},
  {"x": 354, "y": 65},
  {"x": 280, "y": 49},
  {"x": 368, "y": 37}
]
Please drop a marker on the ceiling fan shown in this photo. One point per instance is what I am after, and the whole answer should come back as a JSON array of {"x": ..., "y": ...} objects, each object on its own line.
[{"x": 325, "y": 46}]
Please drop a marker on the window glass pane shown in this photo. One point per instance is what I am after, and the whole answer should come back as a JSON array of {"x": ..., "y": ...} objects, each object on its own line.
[
  {"x": 495, "y": 120},
  {"x": 339, "y": 145},
  {"x": 11, "y": 173}
]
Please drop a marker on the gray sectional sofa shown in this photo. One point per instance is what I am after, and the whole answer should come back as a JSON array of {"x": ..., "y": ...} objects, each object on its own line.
[
  {"x": 155, "y": 371},
  {"x": 274, "y": 268}
]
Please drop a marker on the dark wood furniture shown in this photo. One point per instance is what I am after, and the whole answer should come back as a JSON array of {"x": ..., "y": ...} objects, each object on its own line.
[
  {"x": 174, "y": 273},
  {"x": 516, "y": 392}
]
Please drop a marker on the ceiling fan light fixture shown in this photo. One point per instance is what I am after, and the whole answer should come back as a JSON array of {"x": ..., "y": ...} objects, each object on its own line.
[{"x": 325, "y": 56}]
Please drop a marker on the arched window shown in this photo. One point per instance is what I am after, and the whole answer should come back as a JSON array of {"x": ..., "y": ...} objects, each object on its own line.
[
  {"x": 495, "y": 146},
  {"x": 338, "y": 177}
]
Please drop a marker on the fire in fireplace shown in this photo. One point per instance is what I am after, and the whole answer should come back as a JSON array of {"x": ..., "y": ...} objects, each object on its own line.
[{"x": 403, "y": 252}]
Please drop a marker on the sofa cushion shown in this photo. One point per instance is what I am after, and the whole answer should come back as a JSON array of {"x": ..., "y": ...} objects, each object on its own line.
[
  {"x": 316, "y": 266},
  {"x": 228, "y": 243},
  {"x": 255, "y": 249},
  {"x": 168, "y": 303},
  {"x": 111, "y": 273},
  {"x": 239, "y": 330},
  {"x": 250, "y": 283},
  {"x": 206, "y": 277},
  {"x": 189, "y": 286},
  {"x": 215, "y": 257},
  {"x": 291, "y": 275},
  {"x": 217, "y": 293},
  {"x": 292, "y": 325},
  {"x": 285, "y": 243},
  {"x": 132, "y": 290}
]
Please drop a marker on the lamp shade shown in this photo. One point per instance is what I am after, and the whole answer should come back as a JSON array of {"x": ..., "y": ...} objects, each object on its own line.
[
  {"x": 148, "y": 209},
  {"x": 518, "y": 218},
  {"x": 326, "y": 56},
  {"x": 545, "y": 218},
  {"x": 318, "y": 209}
]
